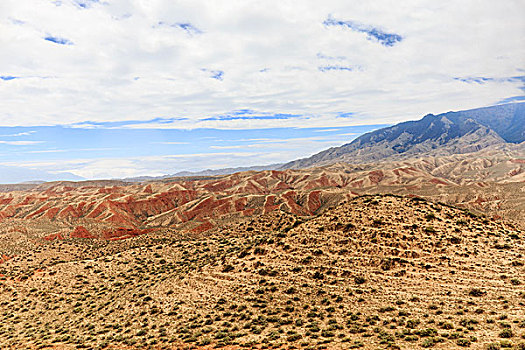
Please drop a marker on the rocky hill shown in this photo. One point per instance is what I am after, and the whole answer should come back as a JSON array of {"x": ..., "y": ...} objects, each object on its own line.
[
  {"x": 492, "y": 182},
  {"x": 433, "y": 135},
  {"x": 373, "y": 272}
]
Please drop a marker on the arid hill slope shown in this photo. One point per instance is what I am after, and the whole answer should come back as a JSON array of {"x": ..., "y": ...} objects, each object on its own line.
[{"x": 373, "y": 272}]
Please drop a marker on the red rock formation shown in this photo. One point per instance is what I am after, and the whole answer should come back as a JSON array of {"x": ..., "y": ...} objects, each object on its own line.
[
  {"x": 301, "y": 192},
  {"x": 81, "y": 232},
  {"x": 314, "y": 201},
  {"x": 4, "y": 258},
  {"x": 5, "y": 201},
  {"x": 53, "y": 236},
  {"x": 438, "y": 182},
  {"x": 51, "y": 213},
  {"x": 269, "y": 204},
  {"x": 376, "y": 176},
  {"x": 203, "y": 227}
]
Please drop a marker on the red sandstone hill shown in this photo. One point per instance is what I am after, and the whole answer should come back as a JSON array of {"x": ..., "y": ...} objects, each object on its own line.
[{"x": 490, "y": 181}]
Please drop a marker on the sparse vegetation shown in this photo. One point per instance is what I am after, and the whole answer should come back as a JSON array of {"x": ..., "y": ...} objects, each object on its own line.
[{"x": 353, "y": 284}]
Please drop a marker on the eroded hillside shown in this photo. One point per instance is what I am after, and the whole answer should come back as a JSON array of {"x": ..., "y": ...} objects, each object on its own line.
[
  {"x": 489, "y": 181},
  {"x": 372, "y": 272}
]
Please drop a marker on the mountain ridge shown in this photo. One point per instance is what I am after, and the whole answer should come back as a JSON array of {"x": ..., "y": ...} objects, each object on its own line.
[{"x": 433, "y": 135}]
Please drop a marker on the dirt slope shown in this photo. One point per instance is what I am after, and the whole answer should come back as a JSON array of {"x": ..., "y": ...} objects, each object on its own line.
[{"x": 373, "y": 272}]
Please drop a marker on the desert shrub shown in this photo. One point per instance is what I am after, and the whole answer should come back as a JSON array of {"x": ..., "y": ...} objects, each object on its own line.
[
  {"x": 359, "y": 279},
  {"x": 290, "y": 290},
  {"x": 427, "y": 332},
  {"x": 520, "y": 346},
  {"x": 455, "y": 240},
  {"x": 293, "y": 338},
  {"x": 318, "y": 275},
  {"x": 429, "y": 229},
  {"x": 377, "y": 222},
  {"x": 227, "y": 268},
  {"x": 476, "y": 292},
  {"x": 447, "y": 325},
  {"x": 412, "y": 323},
  {"x": 506, "y": 344},
  {"x": 463, "y": 342},
  {"x": 428, "y": 343},
  {"x": 506, "y": 333},
  {"x": 430, "y": 216}
]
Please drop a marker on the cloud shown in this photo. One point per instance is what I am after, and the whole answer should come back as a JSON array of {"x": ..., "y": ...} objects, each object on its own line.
[
  {"x": 123, "y": 152},
  {"x": 16, "y": 174},
  {"x": 293, "y": 144},
  {"x": 478, "y": 80},
  {"x": 515, "y": 81},
  {"x": 384, "y": 38},
  {"x": 16, "y": 21},
  {"x": 125, "y": 123},
  {"x": 512, "y": 99},
  {"x": 267, "y": 54},
  {"x": 20, "y": 143},
  {"x": 26, "y": 133},
  {"x": 330, "y": 58},
  {"x": 58, "y": 40},
  {"x": 254, "y": 46},
  {"x": 328, "y": 130},
  {"x": 136, "y": 166}
]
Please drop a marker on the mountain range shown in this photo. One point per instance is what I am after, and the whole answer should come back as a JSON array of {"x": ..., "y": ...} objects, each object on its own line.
[{"x": 433, "y": 135}]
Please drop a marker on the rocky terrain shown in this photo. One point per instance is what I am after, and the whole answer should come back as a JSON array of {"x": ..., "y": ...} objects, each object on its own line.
[
  {"x": 490, "y": 181},
  {"x": 434, "y": 135},
  {"x": 373, "y": 272}
]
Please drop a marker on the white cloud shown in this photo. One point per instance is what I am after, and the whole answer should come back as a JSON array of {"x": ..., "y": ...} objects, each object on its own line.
[
  {"x": 20, "y": 143},
  {"x": 92, "y": 168},
  {"x": 19, "y": 134},
  {"x": 123, "y": 65}
]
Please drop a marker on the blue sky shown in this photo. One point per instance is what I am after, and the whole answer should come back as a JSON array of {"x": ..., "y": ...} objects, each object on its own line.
[
  {"x": 88, "y": 152},
  {"x": 116, "y": 88}
]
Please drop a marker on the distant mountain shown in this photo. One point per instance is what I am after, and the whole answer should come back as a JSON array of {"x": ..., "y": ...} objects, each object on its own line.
[
  {"x": 207, "y": 172},
  {"x": 14, "y": 174},
  {"x": 433, "y": 135}
]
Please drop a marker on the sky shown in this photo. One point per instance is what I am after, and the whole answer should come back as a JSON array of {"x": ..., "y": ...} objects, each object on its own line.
[{"x": 121, "y": 88}]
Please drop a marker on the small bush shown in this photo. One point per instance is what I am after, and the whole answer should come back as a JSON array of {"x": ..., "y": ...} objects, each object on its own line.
[
  {"x": 476, "y": 292},
  {"x": 359, "y": 279},
  {"x": 463, "y": 342},
  {"x": 506, "y": 333},
  {"x": 227, "y": 268}
]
